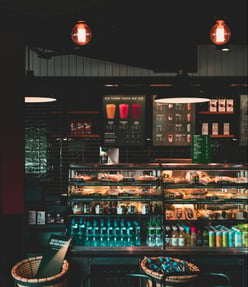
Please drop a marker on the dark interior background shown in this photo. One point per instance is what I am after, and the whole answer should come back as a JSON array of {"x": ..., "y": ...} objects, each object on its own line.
[{"x": 158, "y": 35}]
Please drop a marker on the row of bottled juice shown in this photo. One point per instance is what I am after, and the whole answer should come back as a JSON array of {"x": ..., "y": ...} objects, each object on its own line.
[
  {"x": 211, "y": 236},
  {"x": 128, "y": 232}
]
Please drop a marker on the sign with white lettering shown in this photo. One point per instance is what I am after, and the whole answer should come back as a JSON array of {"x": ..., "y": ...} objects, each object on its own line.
[
  {"x": 52, "y": 260},
  {"x": 201, "y": 149},
  {"x": 123, "y": 120}
]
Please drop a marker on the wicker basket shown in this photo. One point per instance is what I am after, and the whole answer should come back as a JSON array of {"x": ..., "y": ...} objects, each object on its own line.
[
  {"x": 173, "y": 279},
  {"x": 24, "y": 274}
]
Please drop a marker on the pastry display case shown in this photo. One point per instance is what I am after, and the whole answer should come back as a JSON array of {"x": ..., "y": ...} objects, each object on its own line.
[
  {"x": 158, "y": 207},
  {"x": 205, "y": 205},
  {"x": 115, "y": 206}
]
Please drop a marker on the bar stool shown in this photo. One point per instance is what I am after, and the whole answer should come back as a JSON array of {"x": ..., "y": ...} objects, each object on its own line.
[
  {"x": 120, "y": 275},
  {"x": 202, "y": 279}
]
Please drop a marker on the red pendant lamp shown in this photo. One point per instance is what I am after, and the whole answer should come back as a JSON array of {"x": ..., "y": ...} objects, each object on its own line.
[
  {"x": 220, "y": 33},
  {"x": 81, "y": 33}
]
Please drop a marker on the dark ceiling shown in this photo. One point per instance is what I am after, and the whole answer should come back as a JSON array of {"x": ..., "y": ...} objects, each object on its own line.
[{"x": 159, "y": 35}]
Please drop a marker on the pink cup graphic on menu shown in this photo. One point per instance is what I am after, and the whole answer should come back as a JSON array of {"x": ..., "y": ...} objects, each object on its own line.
[
  {"x": 123, "y": 109},
  {"x": 136, "y": 111}
]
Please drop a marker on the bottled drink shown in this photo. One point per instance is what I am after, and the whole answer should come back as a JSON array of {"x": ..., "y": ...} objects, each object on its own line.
[
  {"x": 109, "y": 233},
  {"x": 155, "y": 209},
  {"x": 224, "y": 238},
  {"x": 95, "y": 234},
  {"x": 174, "y": 236},
  {"x": 211, "y": 238},
  {"x": 130, "y": 234},
  {"x": 150, "y": 234},
  {"x": 181, "y": 236},
  {"x": 167, "y": 235},
  {"x": 137, "y": 241},
  {"x": 199, "y": 237},
  {"x": 123, "y": 234},
  {"x": 230, "y": 235},
  {"x": 237, "y": 237},
  {"x": 81, "y": 232},
  {"x": 73, "y": 227},
  {"x": 187, "y": 236},
  {"x": 218, "y": 238},
  {"x": 88, "y": 234},
  {"x": 103, "y": 231},
  {"x": 193, "y": 236},
  {"x": 74, "y": 231},
  {"x": 116, "y": 233},
  {"x": 158, "y": 234},
  {"x": 205, "y": 237}
]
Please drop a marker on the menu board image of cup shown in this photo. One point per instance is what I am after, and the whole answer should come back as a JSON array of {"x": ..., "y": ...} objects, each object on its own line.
[
  {"x": 124, "y": 120},
  {"x": 173, "y": 124}
]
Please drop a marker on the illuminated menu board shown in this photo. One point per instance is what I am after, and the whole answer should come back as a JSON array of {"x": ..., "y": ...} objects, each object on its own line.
[
  {"x": 123, "y": 120},
  {"x": 173, "y": 124}
]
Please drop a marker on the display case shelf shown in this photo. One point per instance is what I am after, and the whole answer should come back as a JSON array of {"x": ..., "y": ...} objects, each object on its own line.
[
  {"x": 223, "y": 191},
  {"x": 209, "y": 186},
  {"x": 215, "y": 113},
  {"x": 120, "y": 183},
  {"x": 206, "y": 201},
  {"x": 116, "y": 198}
]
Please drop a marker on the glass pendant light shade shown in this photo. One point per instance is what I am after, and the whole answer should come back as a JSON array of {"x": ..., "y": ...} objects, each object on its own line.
[
  {"x": 180, "y": 100},
  {"x": 220, "y": 33},
  {"x": 181, "y": 91},
  {"x": 81, "y": 33},
  {"x": 34, "y": 92}
]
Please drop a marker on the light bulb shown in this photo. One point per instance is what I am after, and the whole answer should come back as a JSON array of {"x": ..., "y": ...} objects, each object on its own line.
[
  {"x": 81, "y": 33},
  {"x": 220, "y": 33}
]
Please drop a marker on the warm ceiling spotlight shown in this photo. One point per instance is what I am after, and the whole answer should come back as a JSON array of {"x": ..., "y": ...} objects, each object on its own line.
[
  {"x": 220, "y": 33},
  {"x": 81, "y": 33}
]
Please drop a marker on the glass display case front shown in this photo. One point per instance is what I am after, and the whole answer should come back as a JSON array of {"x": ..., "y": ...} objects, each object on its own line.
[
  {"x": 205, "y": 205},
  {"x": 158, "y": 206},
  {"x": 116, "y": 205}
]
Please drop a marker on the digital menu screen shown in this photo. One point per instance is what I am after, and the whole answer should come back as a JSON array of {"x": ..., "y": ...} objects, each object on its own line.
[
  {"x": 124, "y": 120},
  {"x": 173, "y": 124}
]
